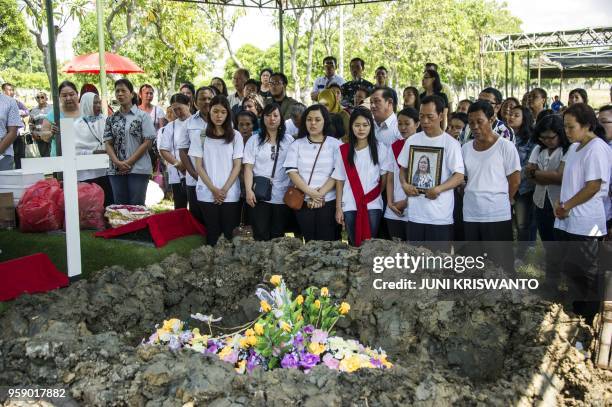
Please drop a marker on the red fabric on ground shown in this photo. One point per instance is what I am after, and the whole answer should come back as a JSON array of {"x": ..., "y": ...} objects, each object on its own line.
[
  {"x": 163, "y": 227},
  {"x": 30, "y": 274}
]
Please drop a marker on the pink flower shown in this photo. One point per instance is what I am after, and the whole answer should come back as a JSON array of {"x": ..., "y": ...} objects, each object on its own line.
[
  {"x": 319, "y": 336},
  {"x": 330, "y": 361}
]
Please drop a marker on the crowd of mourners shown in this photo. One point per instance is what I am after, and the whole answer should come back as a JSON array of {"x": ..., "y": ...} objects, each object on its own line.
[{"x": 494, "y": 169}]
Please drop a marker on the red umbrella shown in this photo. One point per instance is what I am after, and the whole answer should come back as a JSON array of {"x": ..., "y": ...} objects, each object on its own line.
[{"x": 90, "y": 63}]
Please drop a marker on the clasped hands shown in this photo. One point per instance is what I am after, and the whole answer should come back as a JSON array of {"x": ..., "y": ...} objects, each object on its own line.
[{"x": 317, "y": 198}]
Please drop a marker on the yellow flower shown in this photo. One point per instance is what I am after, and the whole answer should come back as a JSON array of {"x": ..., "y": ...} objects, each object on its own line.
[
  {"x": 249, "y": 332},
  {"x": 276, "y": 279},
  {"x": 299, "y": 299},
  {"x": 244, "y": 343},
  {"x": 350, "y": 364},
  {"x": 385, "y": 362},
  {"x": 225, "y": 352},
  {"x": 265, "y": 307},
  {"x": 259, "y": 329},
  {"x": 299, "y": 318},
  {"x": 344, "y": 308},
  {"x": 285, "y": 326},
  {"x": 324, "y": 292},
  {"x": 316, "y": 348},
  {"x": 172, "y": 325},
  {"x": 241, "y": 367},
  {"x": 252, "y": 340},
  {"x": 317, "y": 304}
]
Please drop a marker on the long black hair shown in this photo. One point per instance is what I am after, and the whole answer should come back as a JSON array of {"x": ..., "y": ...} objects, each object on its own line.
[
  {"x": 526, "y": 130},
  {"x": 553, "y": 123},
  {"x": 224, "y": 90},
  {"x": 228, "y": 129},
  {"x": 263, "y": 134},
  {"x": 417, "y": 97},
  {"x": 126, "y": 82},
  {"x": 365, "y": 113},
  {"x": 437, "y": 84},
  {"x": 303, "y": 130}
]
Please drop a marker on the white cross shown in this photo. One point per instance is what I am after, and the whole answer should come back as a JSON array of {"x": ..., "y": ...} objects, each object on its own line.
[{"x": 68, "y": 163}]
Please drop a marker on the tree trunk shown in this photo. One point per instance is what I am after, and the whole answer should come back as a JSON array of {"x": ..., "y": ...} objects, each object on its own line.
[{"x": 293, "y": 48}]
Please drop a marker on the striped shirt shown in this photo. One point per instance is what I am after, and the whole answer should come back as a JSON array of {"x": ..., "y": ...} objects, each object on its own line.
[
  {"x": 301, "y": 157},
  {"x": 9, "y": 117}
]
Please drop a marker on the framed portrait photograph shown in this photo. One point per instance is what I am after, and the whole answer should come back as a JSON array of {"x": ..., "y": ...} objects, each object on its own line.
[{"x": 425, "y": 167}]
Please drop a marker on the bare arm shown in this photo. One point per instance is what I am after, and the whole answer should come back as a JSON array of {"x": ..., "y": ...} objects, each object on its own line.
[
  {"x": 409, "y": 189},
  {"x": 297, "y": 180},
  {"x": 237, "y": 166},
  {"x": 248, "y": 184},
  {"x": 514, "y": 180},
  {"x": 339, "y": 213},
  {"x": 186, "y": 161},
  {"x": 329, "y": 184}
]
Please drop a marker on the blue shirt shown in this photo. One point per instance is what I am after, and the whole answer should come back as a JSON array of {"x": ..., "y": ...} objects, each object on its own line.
[
  {"x": 9, "y": 117},
  {"x": 524, "y": 148}
]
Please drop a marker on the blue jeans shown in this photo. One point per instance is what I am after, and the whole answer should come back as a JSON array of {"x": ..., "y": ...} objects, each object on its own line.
[
  {"x": 351, "y": 216},
  {"x": 130, "y": 189}
]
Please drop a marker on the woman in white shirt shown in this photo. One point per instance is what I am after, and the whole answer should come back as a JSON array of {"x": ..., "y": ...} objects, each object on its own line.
[
  {"x": 171, "y": 136},
  {"x": 309, "y": 164},
  {"x": 89, "y": 139},
  {"x": 493, "y": 167},
  {"x": 218, "y": 158},
  {"x": 580, "y": 212},
  {"x": 359, "y": 172},
  {"x": 263, "y": 157}
]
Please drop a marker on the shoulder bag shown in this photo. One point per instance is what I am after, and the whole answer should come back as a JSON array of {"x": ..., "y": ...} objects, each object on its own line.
[
  {"x": 294, "y": 197},
  {"x": 262, "y": 186}
]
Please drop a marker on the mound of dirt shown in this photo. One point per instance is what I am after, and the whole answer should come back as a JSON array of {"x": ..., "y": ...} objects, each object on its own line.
[{"x": 482, "y": 349}]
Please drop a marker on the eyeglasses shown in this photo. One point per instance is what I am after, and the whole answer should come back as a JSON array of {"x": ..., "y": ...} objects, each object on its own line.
[
  {"x": 488, "y": 101},
  {"x": 276, "y": 83},
  {"x": 40, "y": 97}
]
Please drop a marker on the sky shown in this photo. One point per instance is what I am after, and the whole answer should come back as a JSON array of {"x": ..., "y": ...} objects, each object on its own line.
[{"x": 257, "y": 27}]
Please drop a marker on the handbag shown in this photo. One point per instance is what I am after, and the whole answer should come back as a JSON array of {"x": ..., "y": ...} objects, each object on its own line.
[
  {"x": 262, "y": 186},
  {"x": 294, "y": 197},
  {"x": 31, "y": 148}
]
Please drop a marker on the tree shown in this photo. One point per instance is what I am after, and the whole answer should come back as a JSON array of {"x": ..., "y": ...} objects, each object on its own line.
[
  {"x": 223, "y": 20},
  {"x": 13, "y": 31}
]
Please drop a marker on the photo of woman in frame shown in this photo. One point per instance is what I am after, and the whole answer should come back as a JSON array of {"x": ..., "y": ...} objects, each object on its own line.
[{"x": 425, "y": 165}]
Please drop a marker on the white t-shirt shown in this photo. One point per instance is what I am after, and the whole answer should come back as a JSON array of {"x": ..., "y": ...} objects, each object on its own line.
[
  {"x": 486, "y": 198},
  {"x": 438, "y": 211},
  {"x": 387, "y": 132},
  {"x": 218, "y": 157},
  {"x": 169, "y": 141},
  {"x": 260, "y": 155},
  {"x": 369, "y": 176},
  {"x": 301, "y": 156},
  {"x": 398, "y": 191},
  {"x": 290, "y": 128},
  {"x": 194, "y": 127},
  {"x": 546, "y": 162},
  {"x": 591, "y": 163}
]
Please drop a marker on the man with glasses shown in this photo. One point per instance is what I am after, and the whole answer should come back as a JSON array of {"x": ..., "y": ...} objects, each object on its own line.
[
  {"x": 278, "y": 89},
  {"x": 329, "y": 64},
  {"x": 494, "y": 98},
  {"x": 349, "y": 88},
  {"x": 37, "y": 115}
]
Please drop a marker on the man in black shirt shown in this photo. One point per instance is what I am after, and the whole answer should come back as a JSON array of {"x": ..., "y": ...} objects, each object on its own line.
[{"x": 349, "y": 88}]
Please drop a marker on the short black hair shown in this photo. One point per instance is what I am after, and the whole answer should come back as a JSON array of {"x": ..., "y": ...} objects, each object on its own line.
[
  {"x": 553, "y": 123},
  {"x": 361, "y": 62},
  {"x": 585, "y": 116},
  {"x": 410, "y": 112},
  {"x": 282, "y": 76},
  {"x": 269, "y": 70},
  {"x": 482, "y": 106},
  {"x": 387, "y": 92},
  {"x": 459, "y": 116},
  {"x": 244, "y": 72},
  {"x": 188, "y": 85},
  {"x": 605, "y": 108},
  {"x": 381, "y": 68},
  {"x": 253, "y": 82},
  {"x": 436, "y": 100},
  {"x": 496, "y": 93},
  {"x": 180, "y": 98},
  {"x": 431, "y": 65},
  {"x": 330, "y": 58},
  {"x": 7, "y": 84}
]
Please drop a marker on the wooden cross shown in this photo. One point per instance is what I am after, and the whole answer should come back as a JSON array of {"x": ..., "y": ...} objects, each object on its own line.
[{"x": 68, "y": 163}]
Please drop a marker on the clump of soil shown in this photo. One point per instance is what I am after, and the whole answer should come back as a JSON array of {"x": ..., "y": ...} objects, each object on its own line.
[{"x": 494, "y": 349}]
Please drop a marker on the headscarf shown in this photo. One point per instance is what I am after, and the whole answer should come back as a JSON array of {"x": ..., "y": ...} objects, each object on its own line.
[
  {"x": 87, "y": 112},
  {"x": 327, "y": 97}
]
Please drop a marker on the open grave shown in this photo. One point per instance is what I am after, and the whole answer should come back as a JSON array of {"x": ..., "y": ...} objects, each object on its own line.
[{"x": 494, "y": 350}]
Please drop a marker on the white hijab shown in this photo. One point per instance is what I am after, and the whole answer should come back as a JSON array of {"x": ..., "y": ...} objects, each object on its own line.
[{"x": 86, "y": 106}]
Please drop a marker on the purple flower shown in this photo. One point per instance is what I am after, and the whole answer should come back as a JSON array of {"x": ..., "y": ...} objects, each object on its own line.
[
  {"x": 185, "y": 337},
  {"x": 174, "y": 343},
  {"x": 212, "y": 347},
  {"x": 232, "y": 357},
  {"x": 376, "y": 362},
  {"x": 319, "y": 336},
  {"x": 308, "y": 329},
  {"x": 252, "y": 362},
  {"x": 290, "y": 361},
  {"x": 298, "y": 340},
  {"x": 330, "y": 361},
  {"x": 309, "y": 360}
]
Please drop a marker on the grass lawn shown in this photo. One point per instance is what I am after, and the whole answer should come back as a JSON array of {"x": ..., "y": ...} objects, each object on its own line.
[{"x": 96, "y": 253}]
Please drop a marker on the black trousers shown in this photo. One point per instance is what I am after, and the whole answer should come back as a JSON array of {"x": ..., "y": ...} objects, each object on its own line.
[
  {"x": 105, "y": 184},
  {"x": 434, "y": 237},
  {"x": 318, "y": 224},
  {"x": 396, "y": 228},
  {"x": 485, "y": 237},
  {"x": 578, "y": 260},
  {"x": 194, "y": 205},
  {"x": 269, "y": 220},
  {"x": 220, "y": 219},
  {"x": 179, "y": 194},
  {"x": 18, "y": 151}
]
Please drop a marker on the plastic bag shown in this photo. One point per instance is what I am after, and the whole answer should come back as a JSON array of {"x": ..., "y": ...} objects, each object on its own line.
[
  {"x": 91, "y": 206},
  {"x": 41, "y": 207}
]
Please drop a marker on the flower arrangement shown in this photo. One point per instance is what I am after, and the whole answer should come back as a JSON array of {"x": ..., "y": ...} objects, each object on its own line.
[{"x": 291, "y": 333}]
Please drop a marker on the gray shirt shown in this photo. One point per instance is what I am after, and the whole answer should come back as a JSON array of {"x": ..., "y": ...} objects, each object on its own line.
[
  {"x": 9, "y": 117},
  {"x": 128, "y": 131}
]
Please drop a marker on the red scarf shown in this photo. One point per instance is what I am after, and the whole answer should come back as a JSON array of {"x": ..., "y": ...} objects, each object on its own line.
[
  {"x": 397, "y": 147},
  {"x": 362, "y": 223}
]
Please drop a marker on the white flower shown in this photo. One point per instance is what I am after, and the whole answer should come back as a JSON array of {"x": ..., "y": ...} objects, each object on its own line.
[{"x": 205, "y": 318}]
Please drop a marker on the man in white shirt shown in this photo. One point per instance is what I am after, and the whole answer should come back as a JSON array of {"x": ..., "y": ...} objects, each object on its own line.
[
  {"x": 241, "y": 76},
  {"x": 385, "y": 121},
  {"x": 10, "y": 122},
  {"x": 330, "y": 64},
  {"x": 430, "y": 212}
]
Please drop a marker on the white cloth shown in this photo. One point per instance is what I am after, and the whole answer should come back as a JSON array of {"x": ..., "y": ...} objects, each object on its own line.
[
  {"x": 169, "y": 141},
  {"x": 387, "y": 132},
  {"x": 398, "y": 191},
  {"x": 156, "y": 114},
  {"x": 608, "y": 199},
  {"x": 291, "y": 129},
  {"x": 260, "y": 155},
  {"x": 301, "y": 156},
  {"x": 323, "y": 81},
  {"x": 218, "y": 160},
  {"x": 546, "y": 162},
  {"x": 437, "y": 211},
  {"x": 486, "y": 197},
  {"x": 89, "y": 137},
  {"x": 194, "y": 127},
  {"x": 369, "y": 176},
  {"x": 591, "y": 163}
]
